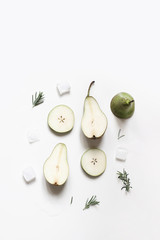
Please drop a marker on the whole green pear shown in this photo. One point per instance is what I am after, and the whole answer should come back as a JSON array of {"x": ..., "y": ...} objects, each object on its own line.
[{"x": 122, "y": 105}]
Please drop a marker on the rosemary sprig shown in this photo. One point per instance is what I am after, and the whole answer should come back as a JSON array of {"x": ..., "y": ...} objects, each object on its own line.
[
  {"x": 37, "y": 99},
  {"x": 119, "y": 134},
  {"x": 91, "y": 202},
  {"x": 71, "y": 200},
  {"x": 126, "y": 181}
]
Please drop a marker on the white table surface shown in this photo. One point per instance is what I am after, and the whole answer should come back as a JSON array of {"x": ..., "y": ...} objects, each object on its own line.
[{"x": 115, "y": 43}]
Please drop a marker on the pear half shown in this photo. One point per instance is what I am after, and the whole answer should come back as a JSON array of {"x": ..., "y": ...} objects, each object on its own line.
[
  {"x": 94, "y": 121},
  {"x": 61, "y": 119},
  {"x": 56, "y": 168},
  {"x": 93, "y": 162}
]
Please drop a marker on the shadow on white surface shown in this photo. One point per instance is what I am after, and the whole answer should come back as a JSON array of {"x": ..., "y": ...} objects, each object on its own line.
[
  {"x": 122, "y": 123},
  {"x": 29, "y": 183},
  {"x": 53, "y": 189},
  {"x": 89, "y": 143},
  {"x": 52, "y": 202}
]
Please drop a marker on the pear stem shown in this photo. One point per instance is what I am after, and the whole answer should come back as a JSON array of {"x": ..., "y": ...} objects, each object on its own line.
[
  {"x": 90, "y": 88},
  {"x": 131, "y": 101}
]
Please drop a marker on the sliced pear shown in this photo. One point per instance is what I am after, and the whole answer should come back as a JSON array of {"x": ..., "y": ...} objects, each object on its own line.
[
  {"x": 56, "y": 168},
  {"x": 93, "y": 162},
  {"x": 61, "y": 119},
  {"x": 94, "y": 121}
]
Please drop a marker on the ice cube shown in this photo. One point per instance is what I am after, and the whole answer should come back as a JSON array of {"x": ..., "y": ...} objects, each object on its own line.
[
  {"x": 29, "y": 174},
  {"x": 121, "y": 154},
  {"x": 33, "y": 136},
  {"x": 63, "y": 87}
]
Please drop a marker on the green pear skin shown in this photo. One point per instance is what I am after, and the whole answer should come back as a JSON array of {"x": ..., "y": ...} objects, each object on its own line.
[{"x": 122, "y": 105}]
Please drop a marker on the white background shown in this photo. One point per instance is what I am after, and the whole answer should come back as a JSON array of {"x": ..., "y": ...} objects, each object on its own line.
[{"x": 115, "y": 43}]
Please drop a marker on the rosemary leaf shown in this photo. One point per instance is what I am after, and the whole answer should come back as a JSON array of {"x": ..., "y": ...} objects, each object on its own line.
[
  {"x": 71, "y": 200},
  {"x": 37, "y": 99},
  {"x": 119, "y": 134},
  {"x": 91, "y": 202},
  {"x": 124, "y": 178}
]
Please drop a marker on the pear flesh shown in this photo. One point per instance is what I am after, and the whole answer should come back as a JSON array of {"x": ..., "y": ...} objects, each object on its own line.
[
  {"x": 61, "y": 119},
  {"x": 93, "y": 162},
  {"x": 94, "y": 121},
  {"x": 56, "y": 168}
]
